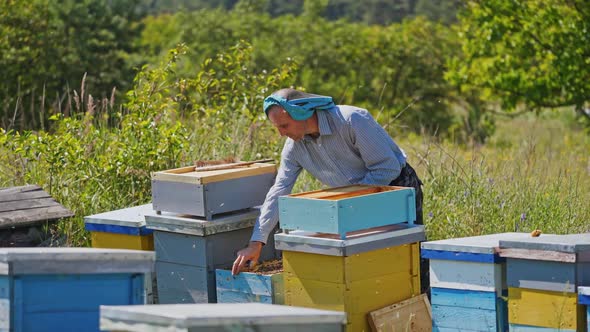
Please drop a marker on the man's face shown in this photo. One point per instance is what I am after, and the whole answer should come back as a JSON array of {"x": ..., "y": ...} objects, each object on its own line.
[{"x": 286, "y": 126}]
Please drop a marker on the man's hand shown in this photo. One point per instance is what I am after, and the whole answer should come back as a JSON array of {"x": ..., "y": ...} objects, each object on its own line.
[{"x": 250, "y": 253}]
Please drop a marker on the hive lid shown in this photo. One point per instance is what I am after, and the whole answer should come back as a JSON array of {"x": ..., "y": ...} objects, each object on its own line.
[
  {"x": 168, "y": 316},
  {"x": 127, "y": 219},
  {"x": 571, "y": 248},
  {"x": 185, "y": 224},
  {"x": 483, "y": 244},
  {"x": 355, "y": 242},
  {"x": 189, "y": 175},
  {"x": 74, "y": 261}
]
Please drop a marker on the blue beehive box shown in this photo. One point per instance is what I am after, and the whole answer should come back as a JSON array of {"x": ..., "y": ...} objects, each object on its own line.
[
  {"x": 347, "y": 209},
  {"x": 467, "y": 280},
  {"x": 220, "y": 317},
  {"x": 61, "y": 289},
  {"x": 189, "y": 249}
]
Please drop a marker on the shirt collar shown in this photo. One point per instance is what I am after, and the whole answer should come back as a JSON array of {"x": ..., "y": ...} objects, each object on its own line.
[{"x": 323, "y": 124}]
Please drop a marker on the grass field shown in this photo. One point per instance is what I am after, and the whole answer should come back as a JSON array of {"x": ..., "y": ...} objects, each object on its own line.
[{"x": 534, "y": 173}]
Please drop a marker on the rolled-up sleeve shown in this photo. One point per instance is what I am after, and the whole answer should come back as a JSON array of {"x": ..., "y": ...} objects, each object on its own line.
[
  {"x": 287, "y": 174},
  {"x": 376, "y": 148}
]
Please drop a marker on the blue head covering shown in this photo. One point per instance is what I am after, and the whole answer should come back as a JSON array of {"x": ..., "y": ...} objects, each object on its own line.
[{"x": 299, "y": 109}]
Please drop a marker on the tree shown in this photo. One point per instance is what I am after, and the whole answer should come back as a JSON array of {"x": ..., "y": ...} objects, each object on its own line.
[
  {"x": 48, "y": 46},
  {"x": 534, "y": 53}
]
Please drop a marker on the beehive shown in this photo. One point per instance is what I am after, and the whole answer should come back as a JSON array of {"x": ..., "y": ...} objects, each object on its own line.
[
  {"x": 347, "y": 209},
  {"x": 124, "y": 229},
  {"x": 467, "y": 280},
  {"x": 543, "y": 274},
  {"x": 189, "y": 249},
  {"x": 207, "y": 193},
  {"x": 121, "y": 229},
  {"x": 61, "y": 289},
  {"x": 219, "y": 317},
  {"x": 368, "y": 270}
]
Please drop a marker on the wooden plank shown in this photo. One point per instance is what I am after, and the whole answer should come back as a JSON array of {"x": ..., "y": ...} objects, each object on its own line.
[
  {"x": 546, "y": 275},
  {"x": 413, "y": 315},
  {"x": 466, "y": 275},
  {"x": 193, "y": 177},
  {"x": 345, "y": 270},
  {"x": 464, "y": 298},
  {"x": 27, "y": 204},
  {"x": 343, "y": 192},
  {"x": 21, "y": 189},
  {"x": 542, "y": 255},
  {"x": 358, "y": 297},
  {"x": 33, "y": 216},
  {"x": 464, "y": 319},
  {"x": 24, "y": 196}
]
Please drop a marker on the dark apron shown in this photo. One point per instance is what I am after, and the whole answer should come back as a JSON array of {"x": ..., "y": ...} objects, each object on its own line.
[{"x": 409, "y": 178}]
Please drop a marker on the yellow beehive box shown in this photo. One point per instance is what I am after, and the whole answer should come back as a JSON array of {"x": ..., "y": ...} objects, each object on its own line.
[
  {"x": 121, "y": 229},
  {"x": 367, "y": 271},
  {"x": 546, "y": 309}
]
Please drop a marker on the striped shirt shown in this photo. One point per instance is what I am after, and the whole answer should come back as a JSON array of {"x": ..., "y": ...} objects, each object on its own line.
[{"x": 352, "y": 149}]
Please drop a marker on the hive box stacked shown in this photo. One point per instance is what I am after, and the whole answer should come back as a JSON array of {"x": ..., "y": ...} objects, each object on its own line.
[
  {"x": 347, "y": 209},
  {"x": 467, "y": 280},
  {"x": 121, "y": 229},
  {"x": 124, "y": 229},
  {"x": 584, "y": 300},
  {"x": 61, "y": 289},
  {"x": 543, "y": 274},
  {"x": 207, "y": 193},
  {"x": 220, "y": 317},
  {"x": 367, "y": 271},
  {"x": 189, "y": 249}
]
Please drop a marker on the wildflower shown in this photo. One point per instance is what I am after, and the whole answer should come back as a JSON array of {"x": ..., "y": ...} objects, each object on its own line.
[
  {"x": 523, "y": 216},
  {"x": 430, "y": 215}
]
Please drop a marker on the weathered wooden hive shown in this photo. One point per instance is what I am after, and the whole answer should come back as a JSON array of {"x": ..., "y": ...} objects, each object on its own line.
[
  {"x": 368, "y": 270},
  {"x": 468, "y": 282},
  {"x": 189, "y": 249},
  {"x": 347, "y": 209},
  {"x": 219, "y": 317},
  {"x": 57, "y": 289},
  {"x": 210, "y": 192},
  {"x": 543, "y": 274}
]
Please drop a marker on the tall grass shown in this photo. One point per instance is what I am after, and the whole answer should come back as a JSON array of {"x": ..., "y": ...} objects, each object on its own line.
[{"x": 533, "y": 173}]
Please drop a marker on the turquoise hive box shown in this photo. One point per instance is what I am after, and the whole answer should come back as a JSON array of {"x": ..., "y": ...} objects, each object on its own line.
[
  {"x": 347, "y": 209},
  {"x": 468, "y": 282},
  {"x": 61, "y": 289},
  {"x": 220, "y": 317}
]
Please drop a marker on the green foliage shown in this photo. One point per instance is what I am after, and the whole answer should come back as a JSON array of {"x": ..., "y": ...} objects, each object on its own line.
[
  {"x": 532, "y": 175},
  {"x": 47, "y": 46},
  {"x": 396, "y": 70},
  {"x": 535, "y": 53},
  {"x": 91, "y": 166}
]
